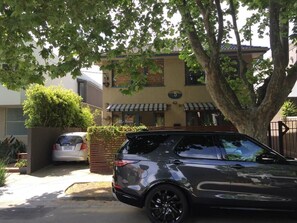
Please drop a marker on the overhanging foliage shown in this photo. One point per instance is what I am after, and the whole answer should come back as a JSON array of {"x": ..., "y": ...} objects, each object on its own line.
[{"x": 84, "y": 31}]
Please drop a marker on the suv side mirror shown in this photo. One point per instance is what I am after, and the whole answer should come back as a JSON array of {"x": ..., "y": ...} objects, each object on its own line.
[{"x": 267, "y": 158}]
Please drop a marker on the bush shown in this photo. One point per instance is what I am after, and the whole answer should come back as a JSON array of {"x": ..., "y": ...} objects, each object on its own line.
[
  {"x": 55, "y": 107},
  {"x": 289, "y": 109},
  {"x": 9, "y": 148},
  {"x": 2, "y": 173},
  {"x": 21, "y": 163}
]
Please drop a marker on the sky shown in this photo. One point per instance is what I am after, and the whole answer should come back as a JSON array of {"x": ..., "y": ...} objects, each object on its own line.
[{"x": 94, "y": 73}]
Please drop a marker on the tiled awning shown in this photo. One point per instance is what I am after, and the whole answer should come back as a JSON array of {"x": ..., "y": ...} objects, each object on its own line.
[
  {"x": 137, "y": 107},
  {"x": 199, "y": 106}
]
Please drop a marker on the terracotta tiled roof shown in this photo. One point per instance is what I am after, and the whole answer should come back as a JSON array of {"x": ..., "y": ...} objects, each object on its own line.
[{"x": 233, "y": 47}]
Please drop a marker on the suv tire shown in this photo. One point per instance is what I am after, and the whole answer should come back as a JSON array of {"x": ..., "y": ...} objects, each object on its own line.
[{"x": 166, "y": 203}]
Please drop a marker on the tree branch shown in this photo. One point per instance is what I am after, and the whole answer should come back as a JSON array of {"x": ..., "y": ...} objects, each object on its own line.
[
  {"x": 220, "y": 23},
  {"x": 206, "y": 14},
  {"x": 278, "y": 41},
  {"x": 242, "y": 64},
  {"x": 198, "y": 49},
  {"x": 279, "y": 47}
]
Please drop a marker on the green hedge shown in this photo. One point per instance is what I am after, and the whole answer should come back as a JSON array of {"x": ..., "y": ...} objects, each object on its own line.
[
  {"x": 111, "y": 132},
  {"x": 55, "y": 106}
]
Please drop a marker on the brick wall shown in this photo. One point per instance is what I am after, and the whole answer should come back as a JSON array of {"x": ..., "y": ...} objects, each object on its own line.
[
  {"x": 102, "y": 152},
  {"x": 104, "y": 143}
]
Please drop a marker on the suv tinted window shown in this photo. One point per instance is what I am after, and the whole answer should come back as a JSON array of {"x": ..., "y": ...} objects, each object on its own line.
[
  {"x": 197, "y": 146},
  {"x": 143, "y": 144},
  {"x": 238, "y": 147}
]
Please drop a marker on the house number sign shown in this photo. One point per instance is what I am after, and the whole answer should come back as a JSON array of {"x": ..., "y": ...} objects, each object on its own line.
[{"x": 175, "y": 94}]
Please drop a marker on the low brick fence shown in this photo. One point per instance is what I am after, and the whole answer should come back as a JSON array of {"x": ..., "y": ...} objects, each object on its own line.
[
  {"x": 104, "y": 142},
  {"x": 102, "y": 153}
]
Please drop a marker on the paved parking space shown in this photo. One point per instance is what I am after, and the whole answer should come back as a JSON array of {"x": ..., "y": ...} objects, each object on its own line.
[{"x": 45, "y": 186}]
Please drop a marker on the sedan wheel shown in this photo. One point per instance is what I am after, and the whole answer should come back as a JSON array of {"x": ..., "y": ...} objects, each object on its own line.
[{"x": 166, "y": 203}]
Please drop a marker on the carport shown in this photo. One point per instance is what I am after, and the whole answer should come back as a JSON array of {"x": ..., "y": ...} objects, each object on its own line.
[{"x": 40, "y": 143}]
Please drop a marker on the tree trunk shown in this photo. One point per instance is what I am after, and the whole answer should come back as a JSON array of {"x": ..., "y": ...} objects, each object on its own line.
[
  {"x": 253, "y": 121},
  {"x": 251, "y": 118},
  {"x": 254, "y": 128}
]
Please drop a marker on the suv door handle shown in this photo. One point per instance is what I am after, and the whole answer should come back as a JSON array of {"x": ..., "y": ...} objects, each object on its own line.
[
  {"x": 237, "y": 166},
  {"x": 176, "y": 162}
]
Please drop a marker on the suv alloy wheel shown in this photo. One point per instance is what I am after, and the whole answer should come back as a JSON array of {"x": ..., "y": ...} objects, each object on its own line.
[{"x": 166, "y": 203}]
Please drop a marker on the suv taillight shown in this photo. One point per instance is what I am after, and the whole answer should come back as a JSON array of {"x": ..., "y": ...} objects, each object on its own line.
[
  {"x": 120, "y": 163},
  {"x": 83, "y": 146},
  {"x": 55, "y": 147}
]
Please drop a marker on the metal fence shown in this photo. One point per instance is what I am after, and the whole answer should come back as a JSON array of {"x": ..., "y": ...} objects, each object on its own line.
[{"x": 282, "y": 137}]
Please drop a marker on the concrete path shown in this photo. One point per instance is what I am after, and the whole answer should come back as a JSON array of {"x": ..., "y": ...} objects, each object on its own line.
[{"x": 43, "y": 187}]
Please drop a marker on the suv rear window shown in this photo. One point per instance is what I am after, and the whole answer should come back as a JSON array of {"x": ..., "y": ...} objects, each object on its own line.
[{"x": 143, "y": 144}]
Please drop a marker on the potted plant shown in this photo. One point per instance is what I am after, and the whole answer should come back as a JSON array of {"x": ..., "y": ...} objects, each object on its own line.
[{"x": 22, "y": 165}]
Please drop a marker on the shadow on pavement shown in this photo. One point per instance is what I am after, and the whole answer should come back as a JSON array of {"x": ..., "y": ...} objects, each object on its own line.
[
  {"x": 216, "y": 215},
  {"x": 32, "y": 208},
  {"x": 61, "y": 169}
]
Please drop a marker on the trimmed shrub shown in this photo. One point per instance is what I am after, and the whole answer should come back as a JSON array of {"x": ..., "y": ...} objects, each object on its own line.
[
  {"x": 110, "y": 132},
  {"x": 55, "y": 106}
]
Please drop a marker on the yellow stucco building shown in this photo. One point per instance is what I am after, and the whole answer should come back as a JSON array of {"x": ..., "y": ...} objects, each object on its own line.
[{"x": 173, "y": 96}]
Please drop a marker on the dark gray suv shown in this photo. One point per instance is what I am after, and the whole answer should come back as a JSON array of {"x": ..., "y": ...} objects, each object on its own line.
[{"x": 168, "y": 171}]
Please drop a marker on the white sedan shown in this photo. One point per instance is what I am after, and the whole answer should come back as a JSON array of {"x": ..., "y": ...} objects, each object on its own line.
[{"x": 71, "y": 146}]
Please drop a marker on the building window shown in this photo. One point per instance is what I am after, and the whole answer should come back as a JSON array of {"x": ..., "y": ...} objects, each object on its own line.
[
  {"x": 230, "y": 67},
  {"x": 125, "y": 118},
  {"x": 120, "y": 80},
  {"x": 82, "y": 89},
  {"x": 138, "y": 118},
  {"x": 154, "y": 76},
  {"x": 194, "y": 77},
  {"x": 15, "y": 122},
  {"x": 204, "y": 118},
  {"x": 117, "y": 118},
  {"x": 130, "y": 118},
  {"x": 160, "y": 120}
]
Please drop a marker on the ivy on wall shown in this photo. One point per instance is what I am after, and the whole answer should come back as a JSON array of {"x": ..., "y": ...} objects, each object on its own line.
[{"x": 111, "y": 132}]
